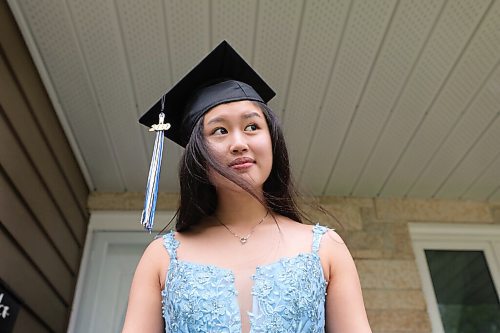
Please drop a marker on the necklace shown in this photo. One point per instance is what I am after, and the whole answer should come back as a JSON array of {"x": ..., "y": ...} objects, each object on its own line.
[{"x": 243, "y": 239}]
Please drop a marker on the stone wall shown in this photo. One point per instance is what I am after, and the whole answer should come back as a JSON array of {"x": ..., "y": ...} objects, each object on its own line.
[{"x": 376, "y": 232}]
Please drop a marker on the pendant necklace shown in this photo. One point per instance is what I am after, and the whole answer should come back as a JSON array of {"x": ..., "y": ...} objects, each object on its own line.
[{"x": 243, "y": 239}]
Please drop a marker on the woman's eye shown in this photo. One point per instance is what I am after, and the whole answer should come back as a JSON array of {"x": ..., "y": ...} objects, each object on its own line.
[
  {"x": 251, "y": 127},
  {"x": 219, "y": 131}
]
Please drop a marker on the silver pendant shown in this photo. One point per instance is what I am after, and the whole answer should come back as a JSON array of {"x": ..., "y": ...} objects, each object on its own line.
[{"x": 243, "y": 240}]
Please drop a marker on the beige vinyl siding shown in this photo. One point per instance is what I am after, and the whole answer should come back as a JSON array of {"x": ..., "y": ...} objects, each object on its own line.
[{"x": 43, "y": 195}]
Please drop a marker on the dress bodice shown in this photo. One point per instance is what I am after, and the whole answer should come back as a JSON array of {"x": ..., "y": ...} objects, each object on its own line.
[{"x": 288, "y": 295}]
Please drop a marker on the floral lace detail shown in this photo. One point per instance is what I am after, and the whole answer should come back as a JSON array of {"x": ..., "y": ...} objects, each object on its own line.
[
  {"x": 201, "y": 298},
  {"x": 288, "y": 295}
]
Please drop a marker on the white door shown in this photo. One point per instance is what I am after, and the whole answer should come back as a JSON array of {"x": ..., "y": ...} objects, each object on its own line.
[{"x": 105, "y": 285}]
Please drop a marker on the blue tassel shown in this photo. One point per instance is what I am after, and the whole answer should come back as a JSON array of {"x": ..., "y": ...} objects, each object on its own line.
[{"x": 148, "y": 214}]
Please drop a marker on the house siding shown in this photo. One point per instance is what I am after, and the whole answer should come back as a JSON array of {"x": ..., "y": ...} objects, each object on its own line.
[{"x": 43, "y": 195}]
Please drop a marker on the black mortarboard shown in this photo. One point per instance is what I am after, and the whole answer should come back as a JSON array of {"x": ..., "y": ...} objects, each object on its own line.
[{"x": 221, "y": 77}]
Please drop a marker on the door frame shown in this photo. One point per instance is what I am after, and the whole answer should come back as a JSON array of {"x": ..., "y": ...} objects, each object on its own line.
[{"x": 114, "y": 221}]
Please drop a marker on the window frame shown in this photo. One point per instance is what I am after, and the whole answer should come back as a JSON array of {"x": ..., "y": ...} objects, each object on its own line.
[{"x": 436, "y": 236}]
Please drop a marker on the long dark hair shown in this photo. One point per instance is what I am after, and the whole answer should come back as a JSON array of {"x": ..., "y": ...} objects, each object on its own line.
[{"x": 198, "y": 198}]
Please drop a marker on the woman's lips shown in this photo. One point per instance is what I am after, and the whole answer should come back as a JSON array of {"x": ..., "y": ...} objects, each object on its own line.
[
  {"x": 242, "y": 166},
  {"x": 242, "y": 163}
]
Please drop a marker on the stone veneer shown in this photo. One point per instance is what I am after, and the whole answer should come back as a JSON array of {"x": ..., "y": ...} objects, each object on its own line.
[{"x": 376, "y": 232}]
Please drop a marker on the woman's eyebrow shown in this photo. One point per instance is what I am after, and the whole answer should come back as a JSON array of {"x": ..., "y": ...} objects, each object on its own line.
[
  {"x": 243, "y": 116},
  {"x": 250, "y": 115},
  {"x": 215, "y": 120}
]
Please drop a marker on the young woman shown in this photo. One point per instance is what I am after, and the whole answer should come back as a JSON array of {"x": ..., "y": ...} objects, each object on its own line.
[{"x": 240, "y": 260}]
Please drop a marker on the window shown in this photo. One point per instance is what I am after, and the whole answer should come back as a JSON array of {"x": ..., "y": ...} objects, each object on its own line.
[{"x": 459, "y": 269}]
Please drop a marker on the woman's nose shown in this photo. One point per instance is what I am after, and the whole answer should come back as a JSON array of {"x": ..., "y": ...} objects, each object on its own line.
[{"x": 238, "y": 144}]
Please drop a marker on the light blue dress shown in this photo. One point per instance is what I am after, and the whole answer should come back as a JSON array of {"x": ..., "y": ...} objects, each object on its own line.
[{"x": 288, "y": 295}]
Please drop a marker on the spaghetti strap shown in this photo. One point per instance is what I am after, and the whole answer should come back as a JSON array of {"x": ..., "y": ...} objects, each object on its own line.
[
  {"x": 171, "y": 244},
  {"x": 318, "y": 231}
]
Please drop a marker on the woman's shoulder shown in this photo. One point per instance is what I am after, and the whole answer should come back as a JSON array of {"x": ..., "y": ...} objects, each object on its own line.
[
  {"x": 158, "y": 243},
  {"x": 330, "y": 245},
  {"x": 309, "y": 228},
  {"x": 155, "y": 252},
  {"x": 156, "y": 258},
  {"x": 327, "y": 237}
]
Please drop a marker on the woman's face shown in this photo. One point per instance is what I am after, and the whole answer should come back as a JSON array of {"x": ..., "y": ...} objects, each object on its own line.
[{"x": 238, "y": 134}]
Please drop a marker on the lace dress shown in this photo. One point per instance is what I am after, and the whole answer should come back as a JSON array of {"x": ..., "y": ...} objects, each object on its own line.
[{"x": 288, "y": 295}]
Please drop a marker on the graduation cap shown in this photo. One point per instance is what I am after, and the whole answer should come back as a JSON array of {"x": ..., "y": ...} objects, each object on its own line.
[{"x": 221, "y": 77}]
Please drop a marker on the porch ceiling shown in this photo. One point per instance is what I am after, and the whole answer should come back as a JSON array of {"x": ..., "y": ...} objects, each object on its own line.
[{"x": 377, "y": 98}]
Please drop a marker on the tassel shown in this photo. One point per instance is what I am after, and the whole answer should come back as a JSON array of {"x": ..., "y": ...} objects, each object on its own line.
[{"x": 148, "y": 214}]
